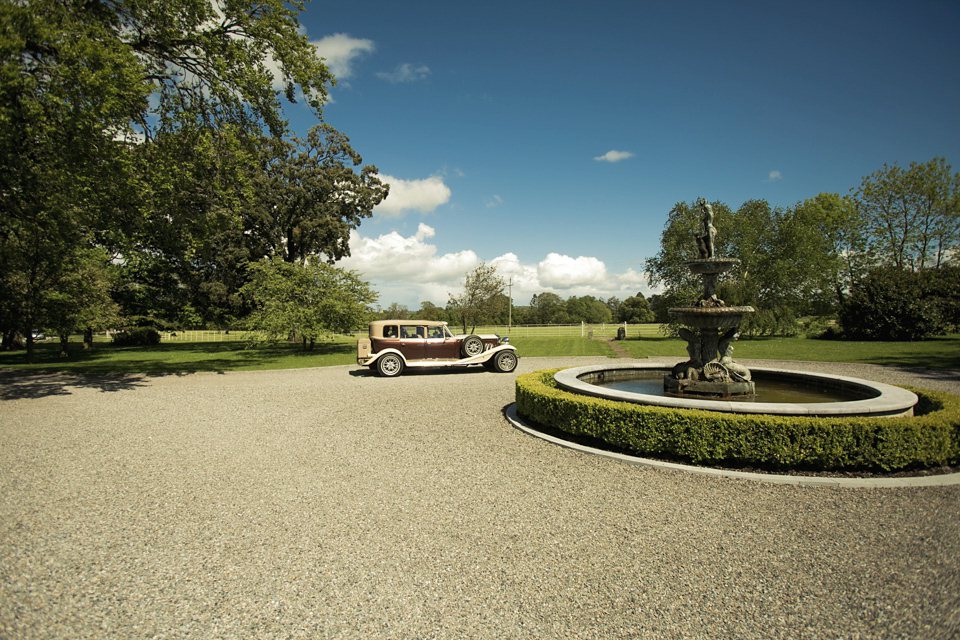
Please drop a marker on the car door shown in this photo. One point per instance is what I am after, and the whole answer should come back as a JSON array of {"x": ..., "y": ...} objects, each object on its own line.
[
  {"x": 441, "y": 345},
  {"x": 413, "y": 342}
]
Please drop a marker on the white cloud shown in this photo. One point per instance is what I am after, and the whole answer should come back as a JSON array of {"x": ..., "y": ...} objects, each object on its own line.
[
  {"x": 773, "y": 176},
  {"x": 412, "y": 195},
  {"x": 405, "y": 72},
  {"x": 563, "y": 272},
  {"x": 340, "y": 51},
  {"x": 408, "y": 270},
  {"x": 614, "y": 156},
  {"x": 495, "y": 202},
  {"x": 392, "y": 257}
]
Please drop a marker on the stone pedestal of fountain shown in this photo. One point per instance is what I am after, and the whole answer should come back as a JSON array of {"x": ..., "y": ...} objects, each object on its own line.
[{"x": 711, "y": 370}]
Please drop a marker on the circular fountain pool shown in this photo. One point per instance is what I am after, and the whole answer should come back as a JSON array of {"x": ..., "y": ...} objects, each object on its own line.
[{"x": 779, "y": 391}]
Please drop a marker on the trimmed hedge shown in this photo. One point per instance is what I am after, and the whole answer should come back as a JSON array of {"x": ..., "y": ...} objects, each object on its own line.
[
  {"x": 931, "y": 438},
  {"x": 139, "y": 337}
]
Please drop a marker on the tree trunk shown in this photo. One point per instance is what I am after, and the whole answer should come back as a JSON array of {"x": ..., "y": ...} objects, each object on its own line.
[
  {"x": 88, "y": 338},
  {"x": 64, "y": 350},
  {"x": 12, "y": 340}
]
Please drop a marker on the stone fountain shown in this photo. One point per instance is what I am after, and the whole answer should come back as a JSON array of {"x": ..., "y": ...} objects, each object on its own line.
[
  {"x": 710, "y": 371},
  {"x": 711, "y": 380}
]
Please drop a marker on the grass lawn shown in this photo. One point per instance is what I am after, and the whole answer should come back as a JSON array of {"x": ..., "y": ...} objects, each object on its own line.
[
  {"x": 189, "y": 357},
  {"x": 940, "y": 353},
  {"x": 183, "y": 357},
  {"x": 563, "y": 346}
]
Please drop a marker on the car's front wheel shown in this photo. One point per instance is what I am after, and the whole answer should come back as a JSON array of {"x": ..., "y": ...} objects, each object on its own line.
[
  {"x": 390, "y": 365},
  {"x": 471, "y": 346},
  {"x": 505, "y": 361}
]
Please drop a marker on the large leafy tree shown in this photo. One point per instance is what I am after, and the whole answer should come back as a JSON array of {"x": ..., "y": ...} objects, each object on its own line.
[
  {"x": 307, "y": 196},
  {"x": 793, "y": 261},
  {"x": 635, "y": 309},
  {"x": 912, "y": 215},
  {"x": 305, "y": 302},
  {"x": 588, "y": 309},
  {"x": 67, "y": 86},
  {"x": 130, "y": 126},
  {"x": 548, "y": 308}
]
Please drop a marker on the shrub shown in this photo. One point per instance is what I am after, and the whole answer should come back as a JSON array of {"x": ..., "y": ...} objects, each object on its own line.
[
  {"x": 930, "y": 438},
  {"x": 139, "y": 337},
  {"x": 894, "y": 304}
]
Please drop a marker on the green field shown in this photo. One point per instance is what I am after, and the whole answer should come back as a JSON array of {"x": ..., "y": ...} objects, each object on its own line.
[
  {"x": 940, "y": 353},
  {"x": 226, "y": 352}
]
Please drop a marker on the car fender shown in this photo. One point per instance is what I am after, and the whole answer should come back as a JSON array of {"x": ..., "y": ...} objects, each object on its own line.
[
  {"x": 373, "y": 357},
  {"x": 489, "y": 353}
]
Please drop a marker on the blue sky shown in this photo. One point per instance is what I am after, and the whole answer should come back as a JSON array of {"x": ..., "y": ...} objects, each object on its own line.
[{"x": 552, "y": 138}]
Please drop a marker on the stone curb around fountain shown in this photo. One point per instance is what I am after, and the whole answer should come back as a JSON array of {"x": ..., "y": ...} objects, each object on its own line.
[{"x": 946, "y": 479}]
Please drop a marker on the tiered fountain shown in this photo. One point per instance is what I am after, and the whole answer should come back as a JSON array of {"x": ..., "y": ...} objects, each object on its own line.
[
  {"x": 711, "y": 371},
  {"x": 710, "y": 379}
]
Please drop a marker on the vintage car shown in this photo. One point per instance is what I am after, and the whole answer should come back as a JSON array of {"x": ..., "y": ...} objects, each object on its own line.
[{"x": 393, "y": 345}]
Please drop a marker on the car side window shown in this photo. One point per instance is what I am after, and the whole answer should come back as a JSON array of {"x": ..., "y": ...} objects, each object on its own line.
[
  {"x": 411, "y": 332},
  {"x": 390, "y": 331},
  {"x": 434, "y": 332}
]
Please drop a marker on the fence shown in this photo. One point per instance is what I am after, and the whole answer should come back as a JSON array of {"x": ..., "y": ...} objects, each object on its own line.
[
  {"x": 582, "y": 330},
  {"x": 202, "y": 335},
  {"x": 208, "y": 335}
]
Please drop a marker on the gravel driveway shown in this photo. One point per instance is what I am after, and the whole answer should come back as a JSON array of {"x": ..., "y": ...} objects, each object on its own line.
[{"x": 327, "y": 502}]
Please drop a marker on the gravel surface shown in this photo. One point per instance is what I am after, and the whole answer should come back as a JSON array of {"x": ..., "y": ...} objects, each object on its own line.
[{"x": 328, "y": 503}]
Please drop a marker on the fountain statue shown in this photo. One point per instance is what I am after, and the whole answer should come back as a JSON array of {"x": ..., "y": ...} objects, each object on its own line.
[{"x": 711, "y": 370}]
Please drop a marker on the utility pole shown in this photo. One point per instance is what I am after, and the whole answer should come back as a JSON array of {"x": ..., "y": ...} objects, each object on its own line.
[{"x": 510, "y": 304}]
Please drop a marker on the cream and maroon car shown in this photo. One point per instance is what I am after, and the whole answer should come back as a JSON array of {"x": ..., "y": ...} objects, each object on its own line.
[{"x": 393, "y": 345}]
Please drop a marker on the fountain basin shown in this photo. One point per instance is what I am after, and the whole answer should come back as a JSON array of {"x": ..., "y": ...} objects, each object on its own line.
[
  {"x": 869, "y": 398},
  {"x": 710, "y": 317}
]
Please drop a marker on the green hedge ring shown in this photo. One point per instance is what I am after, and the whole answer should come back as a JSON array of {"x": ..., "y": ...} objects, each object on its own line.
[{"x": 930, "y": 438}]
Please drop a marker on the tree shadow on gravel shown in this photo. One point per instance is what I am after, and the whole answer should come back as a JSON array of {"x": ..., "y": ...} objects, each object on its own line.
[{"x": 16, "y": 385}]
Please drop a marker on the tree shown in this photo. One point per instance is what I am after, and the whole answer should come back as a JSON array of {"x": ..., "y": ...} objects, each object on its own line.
[
  {"x": 613, "y": 303},
  {"x": 66, "y": 87},
  {"x": 307, "y": 197},
  {"x": 548, "y": 308},
  {"x": 396, "y": 311},
  {"x": 430, "y": 311},
  {"x": 793, "y": 261},
  {"x": 482, "y": 297},
  {"x": 83, "y": 82},
  {"x": 635, "y": 309},
  {"x": 305, "y": 301},
  {"x": 912, "y": 215},
  {"x": 81, "y": 302},
  {"x": 588, "y": 309},
  {"x": 826, "y": 237}
]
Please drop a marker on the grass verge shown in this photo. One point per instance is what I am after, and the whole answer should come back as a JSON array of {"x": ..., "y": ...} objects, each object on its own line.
[
  {"x": 942, "y": 352},
  {"x": 189, "y": 357}
]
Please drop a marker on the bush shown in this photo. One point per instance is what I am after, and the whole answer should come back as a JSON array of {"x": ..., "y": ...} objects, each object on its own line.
[
  {"x": 139, "y": 337},
  {"x": 929, "y": 439},
  {"x": 894, "y": 304}
]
